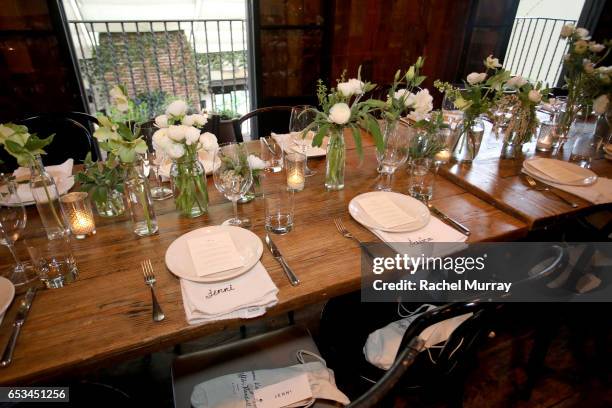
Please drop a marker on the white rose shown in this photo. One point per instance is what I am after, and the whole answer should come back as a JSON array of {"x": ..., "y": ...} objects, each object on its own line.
[
  {"x": 200, "y": 119},
  {"x": 567, "y": 30},
  {"x": 582, "y": 33},
  {"x": 535, "y": 96},
  {"x": 192, "y": 135},
  {"x": 340, "y": 113},
  {"x": 177, "y": 108},
  {"x": 351, "y": 87},
  {"x": 475, "y": 77},
  {"x": 404, "y": 95},
  {"x": 255, "y": 163},
  {"x": 345, "y": 89},
  {"x": 516, "y": 82},
  {"x": 175, "y": 150},
  {"x": 423, "y": 102},
  {"x": 188, "y": 120},
  {"x": 161, "y": 121},
  {"x": 176, "y": 132},
  {"x": 600, "y": 104},
  {"x": 356, "y": 85},
  {"x": 595, "y": 47},
  {"x": 492, "y": 63},
  {"x": 208, "y": 141}
]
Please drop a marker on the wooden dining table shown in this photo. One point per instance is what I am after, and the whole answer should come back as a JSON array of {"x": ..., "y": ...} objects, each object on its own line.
[{"x": 105, "y": 315}]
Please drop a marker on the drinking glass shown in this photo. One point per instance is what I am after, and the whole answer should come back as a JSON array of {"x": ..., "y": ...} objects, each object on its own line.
[
  {"x": 12, "y": 222},
  {"x": 271, "y": 153},
  {"x": 422, "y": 179},
  {"x": 278, "y": 201},
  {"x": 295, "y": 168},
  {"x": 233, "y": 177},
  {"x": 301, "y": 117},
  {"x": 393, "y": 155},
  {"x": 153, "y": 160},
  {"x": 52, "y": 258}
]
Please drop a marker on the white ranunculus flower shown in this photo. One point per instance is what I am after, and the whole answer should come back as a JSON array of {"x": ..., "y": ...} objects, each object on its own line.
[
  {"x": 581, "y": 46},
  {"x": 351, "y": 87},
  {"x": 188, "y": 120},
  {"x": 177, "y": 108},
  {"x": 356, "y": 85},
  {"x": 200, "y": 119},
  {"x": 175, "y": 150},
  {"x": 595, "y": 47},
  {"x": 192, "y": 135},
  {"x": 208, "y": 141},
  {"x": 567, "y": 30},
  {"x": 600, "y": 104},
  {"x": 582, "y": 33},
  {"x": 340, "y": 113},
  {"x": 516, "y": 82},
  {"x": 177, "y": 132},
  {"x": 423, "y": 102},
  {"x": 475, "y": 77},
  {"x": 492, "y": 63},
  {"x": 535, "y": 96},
  {"x": 256, "y": 163},
  {"x": 345, "y": 89},
  {"x": 160, "y": 139},
  {"x": 161, "y": 121}
]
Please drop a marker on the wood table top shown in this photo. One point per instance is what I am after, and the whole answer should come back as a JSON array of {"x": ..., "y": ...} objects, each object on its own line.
[{"x": 105, "y": 315}]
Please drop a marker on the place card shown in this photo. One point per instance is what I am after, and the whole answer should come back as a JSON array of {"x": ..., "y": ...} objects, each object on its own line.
[
  {"x": 555, "y": 171},
  {"x": 284, "y": 393},
  {"x": 385, "y": 212},
  {"x": 214, "y": 253}
]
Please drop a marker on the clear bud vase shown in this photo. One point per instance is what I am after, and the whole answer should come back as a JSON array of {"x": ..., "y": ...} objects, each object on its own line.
[
  {"x": 336, "y": 157},
  {"x": 188, "y": 179},
  {"x": 46, "y": 196},
  {"x": 469, "y": 135},
  {"x": 140, "y": 203}
]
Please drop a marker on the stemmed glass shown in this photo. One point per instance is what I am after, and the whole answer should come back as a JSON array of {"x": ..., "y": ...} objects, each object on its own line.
[
  {"x": 393, "y": 155},
  {"x": 152, "y": 162},
  {"x": 12, "y": 222},
  {"x": 233, "y": 177},
  {"x": 301, "y": 117}
]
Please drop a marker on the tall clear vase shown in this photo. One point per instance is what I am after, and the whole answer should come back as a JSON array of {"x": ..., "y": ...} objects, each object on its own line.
[
  {"x": 138, "y": 197},
  {"x": 188, "y": 179},
  {"x": 584, "y": 139},
  {"x": 336, "y": 157},
  {"x": 46, "y": 196}
]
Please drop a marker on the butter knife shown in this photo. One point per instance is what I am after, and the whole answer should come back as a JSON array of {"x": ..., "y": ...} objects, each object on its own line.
[
  {"x": 22, "y": 314},
  {"x": 279, "y": 258},
  {"x": 449, "y": 220}
]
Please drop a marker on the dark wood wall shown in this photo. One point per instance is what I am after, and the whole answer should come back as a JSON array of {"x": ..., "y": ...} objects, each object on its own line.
[{"x": 36, "y": 72}]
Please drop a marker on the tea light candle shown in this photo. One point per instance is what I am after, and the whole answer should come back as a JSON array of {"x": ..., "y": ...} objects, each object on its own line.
[
  {"x": 295, "y": 166},
  {"x": 295, "y": 181},
  {"x": 79, "y": 214}
]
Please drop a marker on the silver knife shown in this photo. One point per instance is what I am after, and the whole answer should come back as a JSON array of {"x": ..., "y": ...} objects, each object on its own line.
[
  {"x": 22, "y": 313},
  {"x": 279, "y": 257},
  {"x": 449, "y": 220}
]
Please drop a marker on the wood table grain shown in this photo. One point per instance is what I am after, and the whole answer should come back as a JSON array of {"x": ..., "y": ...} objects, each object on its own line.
[{"x": 105, "y": 316}]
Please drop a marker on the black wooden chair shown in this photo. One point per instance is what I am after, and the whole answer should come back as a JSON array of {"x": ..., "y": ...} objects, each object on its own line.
[{"x": 269, "y": 119}]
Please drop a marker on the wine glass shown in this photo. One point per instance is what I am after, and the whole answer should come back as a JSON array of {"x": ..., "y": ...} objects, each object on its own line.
[
  {"x": 452, "y": 114},
  {"x": 233, "y": 177},
  {"x": 12, "y": 222},
  {"x": 301, "y": 117},
  {"x": 393, "y": 155}
]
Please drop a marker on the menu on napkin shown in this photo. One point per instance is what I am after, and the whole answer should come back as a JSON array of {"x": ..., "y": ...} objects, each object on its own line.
[
  {"x": 555, "y": 171},
  {"x": 214, "y": 253},
  {"x": 384, "y": 212}
]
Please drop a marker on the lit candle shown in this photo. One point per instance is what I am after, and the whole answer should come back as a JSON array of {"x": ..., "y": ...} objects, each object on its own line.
[
  {"x": 295, "y": 166},
  {"x": 295, "y": 180},
  {"x": 79, "y": 214},
  {"x": 82, "y": 224}
]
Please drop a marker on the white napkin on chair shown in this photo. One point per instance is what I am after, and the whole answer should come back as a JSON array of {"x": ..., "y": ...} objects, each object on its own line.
[
  {"x": 244, "y": 297},
  {"x": 61, "y": 173},
  {"x": 286, "y": 141}
]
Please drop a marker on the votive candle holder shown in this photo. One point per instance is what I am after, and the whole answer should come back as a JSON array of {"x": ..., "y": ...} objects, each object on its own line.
[
  {"x": 295, "y": 167},
  {"x": 79, "y": 214}
]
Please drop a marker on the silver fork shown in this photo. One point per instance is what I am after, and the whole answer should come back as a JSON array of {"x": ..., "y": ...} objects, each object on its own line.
[
  {"x": 149, "y": 278},
  {"x": 345, "y": 233},
  {"x": 534, "y": 184}
]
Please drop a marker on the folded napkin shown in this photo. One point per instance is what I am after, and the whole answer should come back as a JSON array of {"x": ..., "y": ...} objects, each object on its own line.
[
  {"x": 434, "y": 231},
  {"x": 247, "y": 296},
  {"x": 554, "y": 170},
  {"x": 286, "y": 141},
  {"x": 61, "y": 173},
  {"x": 599, "y": 192},
  {"x": 58, "y": 171}
]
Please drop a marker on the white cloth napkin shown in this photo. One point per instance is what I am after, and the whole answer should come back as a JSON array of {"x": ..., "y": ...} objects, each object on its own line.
[
  {"x": 434, "y": 231},
  {"x": 247, "y": 296},
  {"x": 599, "y": 192},
  {"x": 61, "y": 173},
  {"x": 285, "y": 140}
]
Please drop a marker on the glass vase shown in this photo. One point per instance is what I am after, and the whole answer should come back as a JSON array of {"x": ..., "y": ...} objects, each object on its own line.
[
  {"x": 138, "y": 197},
  {"x": 46, "y": 196},
  {"x": 188, "y": 179},
  {"x": 468, "y": 138},
  {"x": 112, "y": 206},
  {"x": 584, "y": 139},
  {"x": 336, "y": 157}
]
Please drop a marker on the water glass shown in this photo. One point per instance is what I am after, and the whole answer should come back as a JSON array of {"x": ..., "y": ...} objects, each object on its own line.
[
  {"x": 152, "y": 163},
  {"x": 279, "y": 204},
  {"x": 422, "y": 178},
  {"x": 79, "y": 214},
  {"x": 52, "y": 258},
  {"x": 295, "y": 167},
  {"x": 301, "y": 118},
  {"x": 271, "y": 153}
]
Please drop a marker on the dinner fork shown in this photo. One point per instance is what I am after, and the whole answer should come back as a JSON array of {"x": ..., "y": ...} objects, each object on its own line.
[
  {"x": 345, "y": 233},
  {"x": 534, "y": 184},
  {"x": 149, "y": 278}
]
